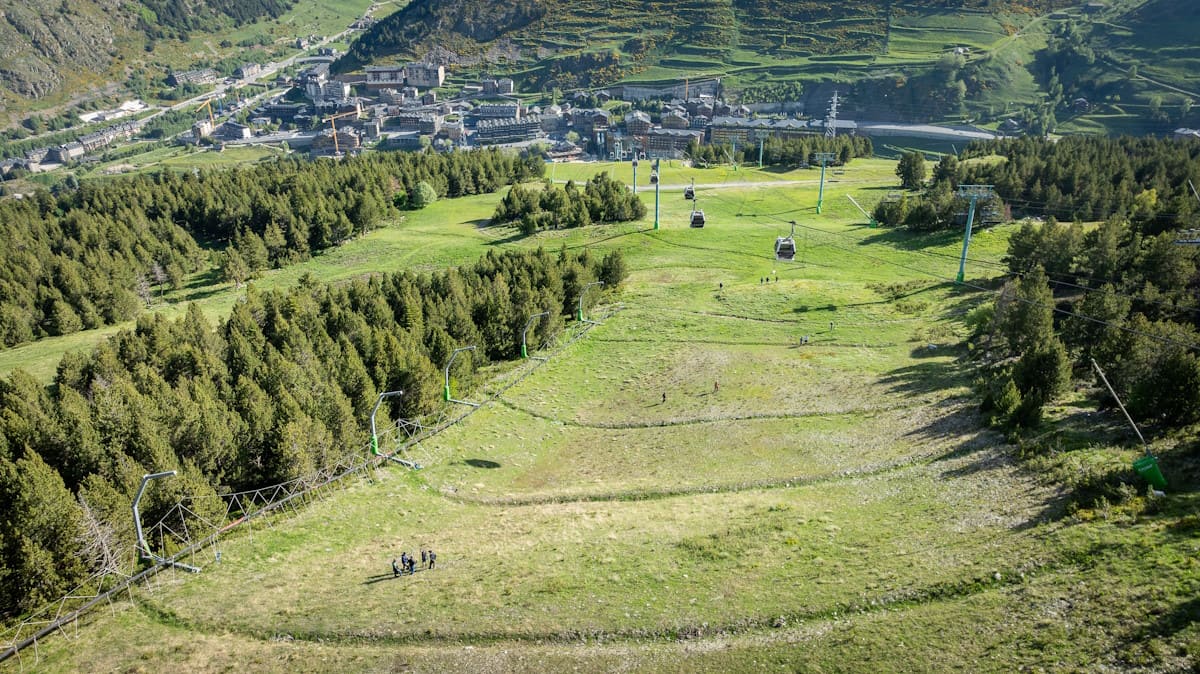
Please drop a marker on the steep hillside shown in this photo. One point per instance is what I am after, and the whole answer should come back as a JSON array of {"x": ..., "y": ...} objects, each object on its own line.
[
  {"x": 1125, "y": 67},
  {"x": 640, "y": 27},
  {"x": 634, "y": 26},
  {"x": 43, "y": 41},
  {"x": 920, "y": 60},
  {"x": 48, "y": 45}
]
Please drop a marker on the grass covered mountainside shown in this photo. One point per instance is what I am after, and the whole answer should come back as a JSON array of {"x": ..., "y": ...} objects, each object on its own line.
[
  {"x": 46, "y": 44},
  {"x": 641, "y": 28},
  {"x": 924, "y": 60},
  {"x": 833, "y": 505}
]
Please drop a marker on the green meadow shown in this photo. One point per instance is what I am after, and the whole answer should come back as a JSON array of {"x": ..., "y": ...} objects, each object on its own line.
[{"x": 745, "y": 465}]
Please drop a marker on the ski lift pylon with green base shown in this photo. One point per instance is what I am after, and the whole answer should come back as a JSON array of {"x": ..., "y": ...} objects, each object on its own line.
[{"x": 1147, "y": 466}]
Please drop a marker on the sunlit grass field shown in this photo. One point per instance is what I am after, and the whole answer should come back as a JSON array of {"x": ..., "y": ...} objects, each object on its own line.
[
  {"x": 447, "y": 233},
  {"x": 835, "y": 505}
]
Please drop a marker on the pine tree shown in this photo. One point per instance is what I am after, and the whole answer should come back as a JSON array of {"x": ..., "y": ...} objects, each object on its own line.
[
  {"x": 613, "y": 269},
  {"x": 911, "y": 170},
  {"x": 234, "y": 268},
  {"x": 40, "y": 535},
  {"x": 1029, "y": 320}
]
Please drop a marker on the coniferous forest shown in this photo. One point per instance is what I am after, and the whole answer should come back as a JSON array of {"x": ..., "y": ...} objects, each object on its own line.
[
  {"x": 1123, "y": 293},
  {"x": 1142, "y": 179},
  {"x": 1087, "y": 178},
  {"x": 603, "y": 199},
  {"x": 93, "y": 256},
  {"x": 283, "y": 386},
  {"x": 1113, "y": 294},
  {"x": 784, "y": 152}
]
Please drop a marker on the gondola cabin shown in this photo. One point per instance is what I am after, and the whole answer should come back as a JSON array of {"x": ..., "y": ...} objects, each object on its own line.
[
  {"x": 785, "y": 248},
  {"x": 654, "y": 177},
  {"x": 689, "y": 193},
  {"x": 698, "y": 218}
]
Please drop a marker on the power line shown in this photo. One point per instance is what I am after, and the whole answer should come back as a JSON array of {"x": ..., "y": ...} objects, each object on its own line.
[
  {"x": 1158, "y": 338},
  {"x": 1134, "y": 298},
  {"x": 1068, "y": 211},
  {"x": 994, "y": 264},
  {"x": 1052, "y": 279},
  {"x": 1055, "y": 308},
  {"x": 714, "y": 195}
]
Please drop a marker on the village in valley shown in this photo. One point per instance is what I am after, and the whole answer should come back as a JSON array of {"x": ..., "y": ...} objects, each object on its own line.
[
  {"x": 300, "y": 103},
  {"x": 414, "y": 106}
]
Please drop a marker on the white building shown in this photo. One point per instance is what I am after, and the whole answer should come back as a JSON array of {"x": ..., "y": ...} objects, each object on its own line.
[
  {"x": 380, "y": 77},
  {"x": 327, "y": 90}
]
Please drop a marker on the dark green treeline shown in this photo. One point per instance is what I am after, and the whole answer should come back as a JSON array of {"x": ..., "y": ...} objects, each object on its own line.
[
  {"x": 95, "y": 255},
  {"x": 1090, "y": 178},
  {"x": 285, "y": 385},
  {"x": 603, "y": 199},
  {"x": 783, "y": 152},
  {"x": 1125, "y": 293},
  {"x": 1142, "y": 180},
  {"x": 1126, "y": 299}
]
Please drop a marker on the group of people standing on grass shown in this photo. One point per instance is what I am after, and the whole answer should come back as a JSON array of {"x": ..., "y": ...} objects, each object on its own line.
[{"x": 408, "y": 563}]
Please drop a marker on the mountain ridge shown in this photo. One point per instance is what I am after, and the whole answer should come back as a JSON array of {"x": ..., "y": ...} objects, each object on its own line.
[{"x": 45, "y": 45}]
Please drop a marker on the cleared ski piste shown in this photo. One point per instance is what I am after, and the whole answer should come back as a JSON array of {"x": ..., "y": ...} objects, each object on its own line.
[{"x": 835, "y": 505}]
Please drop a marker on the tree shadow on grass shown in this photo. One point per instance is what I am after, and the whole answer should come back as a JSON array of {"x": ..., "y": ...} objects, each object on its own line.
[
  {"x": 934, "y": 349},
  {"x": 925, "y": 377},
  {"x": 200, "y": 287},
  {"x": 961, "y": 421},
  {"x": 1178, "y": 618},
  {"x": 902, "y": 239},
  {"x": 202, "y": 280},
  {"x": 517, "y": 235},
  {"x": 481, "y": 463},
  {"x": 976, "y": 450},
  {"x": 780, "y": 168},
  {"x": 961, "y": 305}
]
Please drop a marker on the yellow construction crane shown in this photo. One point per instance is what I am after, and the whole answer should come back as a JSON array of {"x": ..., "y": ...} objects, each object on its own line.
[
  {"x": 208, "y": 104},
  {"x": 352, "y": 113}
]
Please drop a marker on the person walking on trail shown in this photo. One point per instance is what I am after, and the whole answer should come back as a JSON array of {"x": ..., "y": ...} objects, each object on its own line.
[
  {"x": 403, "y": 562},
  {"x": 716, "y": 386},
  {"x": 424, "y": 558},
  {"x": 664, "y": 398},
  {"x": 395, "y": 568},
  {"x": 432, "y": 558}
]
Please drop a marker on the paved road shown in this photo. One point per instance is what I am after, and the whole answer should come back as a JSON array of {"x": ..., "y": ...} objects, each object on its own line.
[
  {"x": 268, "y": 73},
  {"x": 1125, "y": 69}
]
